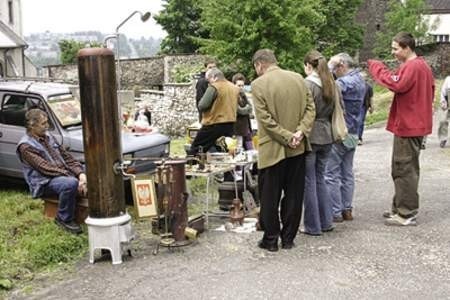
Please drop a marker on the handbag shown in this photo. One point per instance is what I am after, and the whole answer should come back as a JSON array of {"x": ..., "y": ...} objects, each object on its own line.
[{"x": 338, "y": 127}]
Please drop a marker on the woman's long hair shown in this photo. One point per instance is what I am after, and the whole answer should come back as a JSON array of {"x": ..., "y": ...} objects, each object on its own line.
[{"x": 319, "y": 63}]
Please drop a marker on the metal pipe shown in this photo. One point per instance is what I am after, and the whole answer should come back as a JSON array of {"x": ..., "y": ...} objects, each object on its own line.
[
  {"x": 5, "y": 57},
  {"x": 101, "y": 132},
  {"x": 144, "y": 17},
  {"x": 23, "y": 61},
  {"x": 107, "y": 38}
]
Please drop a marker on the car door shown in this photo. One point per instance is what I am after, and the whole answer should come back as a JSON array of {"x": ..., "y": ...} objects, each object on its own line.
[{"x": 13, "y": 107}]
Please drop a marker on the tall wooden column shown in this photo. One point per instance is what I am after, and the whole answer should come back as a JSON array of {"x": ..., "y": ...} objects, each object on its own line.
[{"x": 101, "y": 132}]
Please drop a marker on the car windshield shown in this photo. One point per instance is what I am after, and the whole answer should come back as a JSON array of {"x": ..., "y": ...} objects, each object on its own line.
[{"x": 67, "y": 109}]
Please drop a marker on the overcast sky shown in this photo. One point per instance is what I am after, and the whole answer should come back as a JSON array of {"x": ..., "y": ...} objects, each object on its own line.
[{"x": 81, "y": 15}]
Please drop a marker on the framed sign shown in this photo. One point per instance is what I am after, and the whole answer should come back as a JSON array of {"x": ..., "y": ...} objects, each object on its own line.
[{"x": 144, "y": 197}]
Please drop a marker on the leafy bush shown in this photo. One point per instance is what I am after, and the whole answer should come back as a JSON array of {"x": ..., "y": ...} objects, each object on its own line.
[
  {"x": 69, "y": 49},
  {"x": 185, "y": 73}
]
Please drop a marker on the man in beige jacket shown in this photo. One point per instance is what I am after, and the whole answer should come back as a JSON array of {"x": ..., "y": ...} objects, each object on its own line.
[{"x": 285, "y": 112}]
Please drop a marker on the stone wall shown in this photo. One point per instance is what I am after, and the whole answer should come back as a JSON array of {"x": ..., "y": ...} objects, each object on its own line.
[
  {"x": 67, "y": 72},
  {"x": 172, "y": 109},
  {"x": 142, "y": 73},
  {"x": 137, "y": 73}
]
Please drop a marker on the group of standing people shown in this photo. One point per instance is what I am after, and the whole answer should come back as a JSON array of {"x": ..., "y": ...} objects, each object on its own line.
[
  {"x": 305, "y": 158},
  {"x": 303, "y": 155}
]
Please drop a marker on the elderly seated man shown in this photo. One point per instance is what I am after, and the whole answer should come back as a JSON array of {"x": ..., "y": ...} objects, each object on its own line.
[{"x": 49, "y": 170}]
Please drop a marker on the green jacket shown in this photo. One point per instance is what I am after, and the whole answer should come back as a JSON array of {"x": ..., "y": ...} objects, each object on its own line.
[{"x": 283, "y": 105}]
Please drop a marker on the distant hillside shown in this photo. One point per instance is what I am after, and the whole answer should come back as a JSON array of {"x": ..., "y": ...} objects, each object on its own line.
[{"x": 44, "y": 50}]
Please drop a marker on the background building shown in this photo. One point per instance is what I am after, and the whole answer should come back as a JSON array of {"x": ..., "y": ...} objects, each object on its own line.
[
  {"x": 440, "y": 9},
  {"x": 13, "y": 61},
  {"x": 371, "y": 16}
]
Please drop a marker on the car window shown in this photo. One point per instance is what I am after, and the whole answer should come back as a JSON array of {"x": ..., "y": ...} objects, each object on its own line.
[
  {"x": 14, "y": 107},
  {"x": 66, "y": 109}
]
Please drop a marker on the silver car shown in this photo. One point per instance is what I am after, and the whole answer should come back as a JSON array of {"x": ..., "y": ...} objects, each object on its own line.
[{"x": 64, "y": 116}]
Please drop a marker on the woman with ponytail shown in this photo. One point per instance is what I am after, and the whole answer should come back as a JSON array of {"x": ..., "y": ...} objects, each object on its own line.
[{"x": 318, "y": 215}]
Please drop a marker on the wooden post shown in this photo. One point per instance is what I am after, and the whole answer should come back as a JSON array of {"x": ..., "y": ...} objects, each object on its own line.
[{"x": 101, "y": 132}]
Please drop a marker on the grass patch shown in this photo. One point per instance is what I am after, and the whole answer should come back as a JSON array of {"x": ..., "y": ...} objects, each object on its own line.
[
  {"x": 30, "y": 243},
  {"x": 382, "y": 99},
  {"x": 177, "y": 147}
]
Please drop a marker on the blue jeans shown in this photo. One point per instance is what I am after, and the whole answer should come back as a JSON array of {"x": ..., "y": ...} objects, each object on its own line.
[
  {"x": 339, "y": 177},
  {"x": 362, "y": 120},
  {"x": 318, "y": 208},
  {"x": 66, "y": 188}
]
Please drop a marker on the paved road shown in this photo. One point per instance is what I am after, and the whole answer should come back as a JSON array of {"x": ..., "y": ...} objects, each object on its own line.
[{"x": 360, "y": 259}]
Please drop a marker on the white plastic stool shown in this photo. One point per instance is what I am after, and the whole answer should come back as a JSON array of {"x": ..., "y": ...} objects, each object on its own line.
[{"x": 112, "y": 234}]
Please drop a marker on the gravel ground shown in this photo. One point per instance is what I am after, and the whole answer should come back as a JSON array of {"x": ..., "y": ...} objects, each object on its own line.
[{"x": 359, "y": 259}]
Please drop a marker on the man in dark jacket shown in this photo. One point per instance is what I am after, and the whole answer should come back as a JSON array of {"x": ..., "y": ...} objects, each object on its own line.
[
  {"x": 50, "y": 170},
  {"x": 202, "y": 84}
]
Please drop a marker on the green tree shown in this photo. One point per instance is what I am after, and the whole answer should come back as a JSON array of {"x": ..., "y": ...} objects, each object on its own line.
[
  {"x": 407, "y": 15},
  {"x": 239, "y": 28},
  {"x": 181, "y": 20},
  {"x": 69, "y": 49},
  {"x": 339, "y": 33}
]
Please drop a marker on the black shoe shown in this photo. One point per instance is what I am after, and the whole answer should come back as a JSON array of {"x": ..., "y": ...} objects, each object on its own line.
[
  {"x": 442, "y": 144},
  {"x": 71, "y": 226},
  {"x": 287, "y": 245},
  {"x": 270, "y": 247}
]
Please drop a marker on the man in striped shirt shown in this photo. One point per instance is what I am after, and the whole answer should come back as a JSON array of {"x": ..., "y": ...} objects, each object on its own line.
[{"x": 50, "y": 170}]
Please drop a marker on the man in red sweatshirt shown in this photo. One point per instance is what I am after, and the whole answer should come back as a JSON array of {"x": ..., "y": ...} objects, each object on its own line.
[{"x": 410, "y": 119}]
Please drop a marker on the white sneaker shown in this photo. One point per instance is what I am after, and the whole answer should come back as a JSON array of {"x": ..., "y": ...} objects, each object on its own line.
[{"x": 397, "y": 220}]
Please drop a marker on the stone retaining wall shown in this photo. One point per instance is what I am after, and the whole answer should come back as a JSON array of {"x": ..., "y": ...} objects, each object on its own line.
[
  {"x": 172, "y": 109},
  {"x": 137, "y": 73}
]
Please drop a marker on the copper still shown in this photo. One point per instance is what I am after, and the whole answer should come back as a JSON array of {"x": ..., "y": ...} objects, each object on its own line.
[{"x": 172, "y": 196}]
